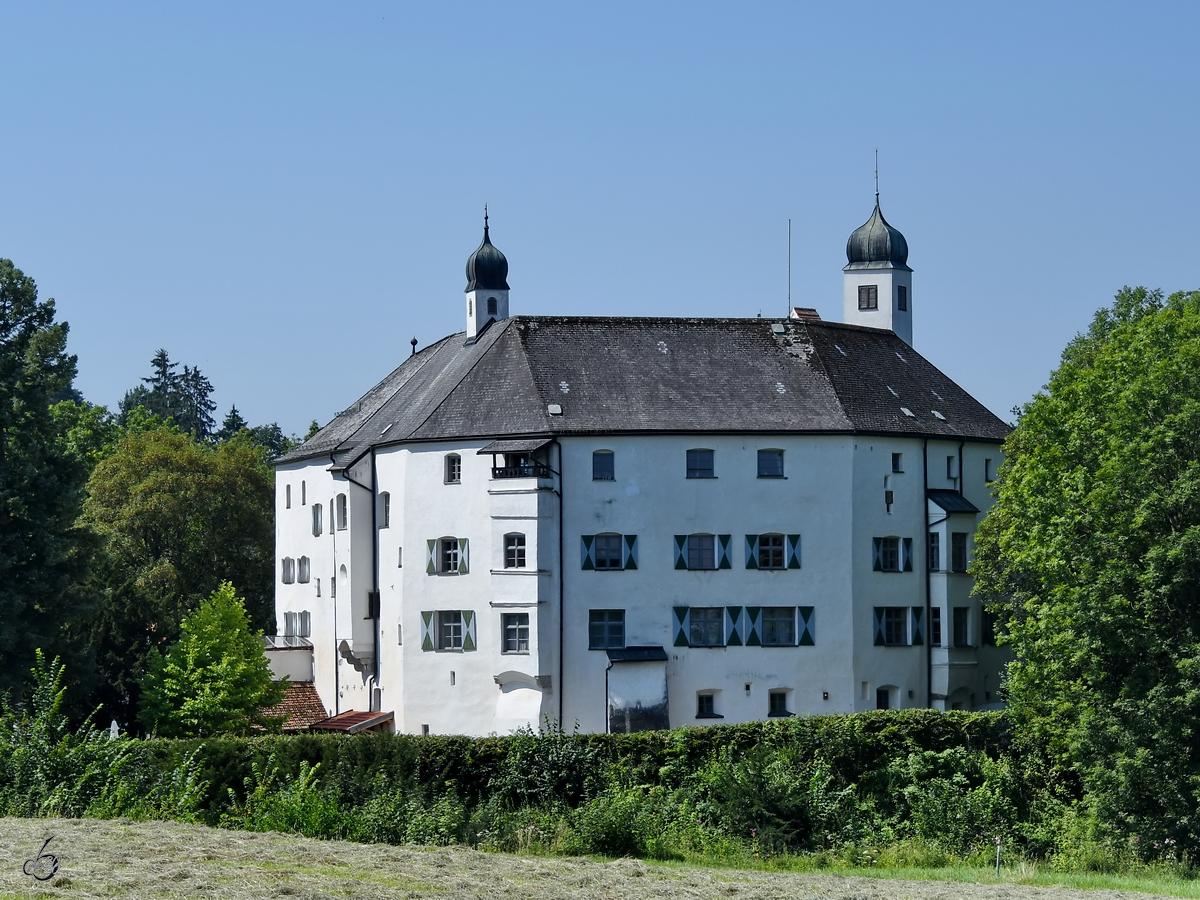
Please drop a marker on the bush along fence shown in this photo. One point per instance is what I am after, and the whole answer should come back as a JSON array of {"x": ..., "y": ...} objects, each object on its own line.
[{"x": 922, "y": 786}]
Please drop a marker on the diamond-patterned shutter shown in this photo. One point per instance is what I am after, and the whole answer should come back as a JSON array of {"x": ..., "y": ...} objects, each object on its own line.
[
  {"x": 587, "y": 550},
  {"x": 877, "y": 556},
  {"x": 753, "y": 626},
  {"x": 907, "y": 563},
  {"x": 808, "y": 634},
  {"x": 733, "y": 626},
  {"x": 631, "y": 551},
  {"x": 724, "y": 540},
  {"x": 793, "y": 551},
  {"x": 469, "y": 640},
  {"x": 464, "y": 556},
  {"x": 681, "y": 551},
  {"x": 752, "y": 551},
  {"x": 427, "y": 630},
  {"x": 681, "y": 623},
  {"x": 918, "y": 625},
  {"x": 431, "y": 560},
  {"x": 879, "y": 641}
]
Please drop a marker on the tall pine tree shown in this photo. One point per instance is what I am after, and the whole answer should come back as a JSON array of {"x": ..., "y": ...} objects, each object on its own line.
[{"x": 43, "y": 555}]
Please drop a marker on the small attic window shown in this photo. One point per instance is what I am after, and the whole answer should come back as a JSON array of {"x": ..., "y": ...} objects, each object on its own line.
[
  {"x": 908, "y": 412},
  {"x": 554, "y": 409},
  {"x": 938, "y": 415},
  {"x": 777, "y": 328}
]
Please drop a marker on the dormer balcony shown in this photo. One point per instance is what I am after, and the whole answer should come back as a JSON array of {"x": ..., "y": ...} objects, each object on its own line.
[{"x": 522, "y": 470}]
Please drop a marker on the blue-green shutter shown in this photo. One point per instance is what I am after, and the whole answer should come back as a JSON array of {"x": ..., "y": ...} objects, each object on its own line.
[
  {"x": 431, "y": 548},
  {"x": 588, "y": 551},
  {"x": 753, "y": 626},
  {"x": 752, "y": 551},
  {"x": 879, "y": 641},
  {"x": 427, "y": 630},
  {"x": 470, "y": 642},
  {"x": 681, "y": 626},
  {"x": 681, "y": 551},
  {"x": 723, "y": 540},
  {"x": 877, "y": 555},
  {"x": 907, "y": 563},
  {"x": 793, "y": 551},
  {"x": 918, "y": 625},
  {"x": 464, "y": 556},
  {"x": 733, "y": 626},
  {"x": 808, "y": 634},
  {"x": 631, "y": 551}
]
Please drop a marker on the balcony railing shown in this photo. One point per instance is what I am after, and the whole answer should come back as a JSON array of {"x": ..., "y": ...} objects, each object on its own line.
[
  {"x": 528, "y": 470},
  {"x": 285, "y": 641}
]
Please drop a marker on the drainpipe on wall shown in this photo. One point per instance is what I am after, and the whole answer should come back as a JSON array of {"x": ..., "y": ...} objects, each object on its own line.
[
  {"x": 562, "y": 576},
  {"x": 961, "y": 474},
  {"x": 337, "y": 657},
  {"x": 925, "y": 556}
]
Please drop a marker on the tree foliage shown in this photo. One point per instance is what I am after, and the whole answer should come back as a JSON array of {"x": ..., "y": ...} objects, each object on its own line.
[
  {"x": 178, "y": 518},
  {"x": 182, "y": 397},
  {"x": 1091, "y": 556},
  {"x": 43, "y": 554},
  {"x": 215, "y": 678}
]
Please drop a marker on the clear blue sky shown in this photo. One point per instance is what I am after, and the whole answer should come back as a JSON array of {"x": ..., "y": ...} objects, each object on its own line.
[{"x": 285, "y": 193}]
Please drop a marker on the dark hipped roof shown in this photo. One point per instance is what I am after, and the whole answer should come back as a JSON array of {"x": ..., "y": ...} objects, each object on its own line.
[
  {"x": 655, "y": 375},
  {"x": 951, "y": 501}
]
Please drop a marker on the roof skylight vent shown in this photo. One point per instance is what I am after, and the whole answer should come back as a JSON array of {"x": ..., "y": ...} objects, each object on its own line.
[
  {"x": 554, "y": 409},
  {"x": 840, "y": 350},
  {"x": 900, "y": 356},
  {"x": 935, "y": 393},
  {"x": 777, "y": 328},
  {"x": 938, "y": 415},
  {"x": 387, "y": 429},
  {"x": 893, "y": 390},
  {"x": 908, "y": 412}
]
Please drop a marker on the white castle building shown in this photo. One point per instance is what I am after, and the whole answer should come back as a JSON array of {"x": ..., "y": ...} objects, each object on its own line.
[{"x": 634, "y": 522}]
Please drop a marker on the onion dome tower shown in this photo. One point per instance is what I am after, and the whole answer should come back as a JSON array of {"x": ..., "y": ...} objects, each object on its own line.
[
  {"x": 487, "y": 285},
  {"x": 877, "y": 287}
]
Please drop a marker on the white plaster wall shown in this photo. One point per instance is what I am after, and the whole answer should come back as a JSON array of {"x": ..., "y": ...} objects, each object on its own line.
[
  {"x": 888, "y": 315},
  {"x": 652, "y": 498}
]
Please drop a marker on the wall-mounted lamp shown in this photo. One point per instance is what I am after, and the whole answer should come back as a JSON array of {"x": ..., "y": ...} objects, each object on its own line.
[{"x": 824, "y": 695}]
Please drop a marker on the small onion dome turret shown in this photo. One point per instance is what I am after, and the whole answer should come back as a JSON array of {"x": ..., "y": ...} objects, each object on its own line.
[
  {"x": 877, "y": 245},
  {"x": 487, "y": 269}
]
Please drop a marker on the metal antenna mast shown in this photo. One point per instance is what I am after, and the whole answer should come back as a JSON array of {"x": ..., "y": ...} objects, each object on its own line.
[{"x": 789, "y": 309}]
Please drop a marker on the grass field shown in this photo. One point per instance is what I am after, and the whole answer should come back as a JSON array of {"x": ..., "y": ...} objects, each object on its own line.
[{"x": 119, "y": 858}]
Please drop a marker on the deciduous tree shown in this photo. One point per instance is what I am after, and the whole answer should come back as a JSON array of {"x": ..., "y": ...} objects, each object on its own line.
[{"x": 1091, "y": 555}]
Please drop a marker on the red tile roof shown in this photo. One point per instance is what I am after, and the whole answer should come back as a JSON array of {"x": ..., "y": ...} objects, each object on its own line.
[
  {"x": 301, "y": 705},
  {"x": 353, "y": 721}
]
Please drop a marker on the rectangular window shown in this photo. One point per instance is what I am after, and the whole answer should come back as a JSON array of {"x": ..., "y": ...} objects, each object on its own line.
[
  {"x": 305, "y": 624},
  {"x": 889, "y": 554},
  {"x": 958, "y": 551},
  {"x": 399, "y": 557},
  {"x": 289, "y": 624},
  {"x": 706, "y": 707},
  {"x": 303, "y": 493},
  {"x": 962, "y": 626},
  {"x": 700, "y": 464},
  {"x": 342, "y": 518},
  {"x": 287, "y": 496},
  {"x": 702, "y": 551},
  {"x": 935, "y": 552},
  {"x": 895, "y": 625},
  {"x": 951, "y": 467},
  {"x": 516, "y": 632},
  {"x": 707, "y": 626},
  {"x": 385, "y": 510},
  {"x": 304, "y": 574},
  {"x": 896, "y": 458},
  {"x": 318, "y": 525},
  {"x": 902, "y": 298},
  {"x": 449, "y": 554},
  {"x": 988, "y": 638},
  {"x": 777, "y": 704},
  {"x": 608, "y": 552},
  {"x": 450, "y": 630},
  {"x": 770, "y": 551},
  {"x": 779, "y": 626},
  {"x": 288, "y": 570},
  {"x": 603, "y": 468},
  {"x": 514, "y": 551},
  {"x": 868, "y": 296},
  {"x": 770, "y": 463},
  {"x": 453, "y": 468},
  {"x": 935, "y": 626},
  {"x": 883, "y": 698},
  {"x": 606, "y": 629},
  {"x": 988, "y": 475}
]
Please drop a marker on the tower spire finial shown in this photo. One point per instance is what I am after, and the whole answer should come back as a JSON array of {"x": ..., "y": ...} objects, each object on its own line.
[
  {"x": 876, "y": 176},
  {"x": 485, "y": 222}
]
